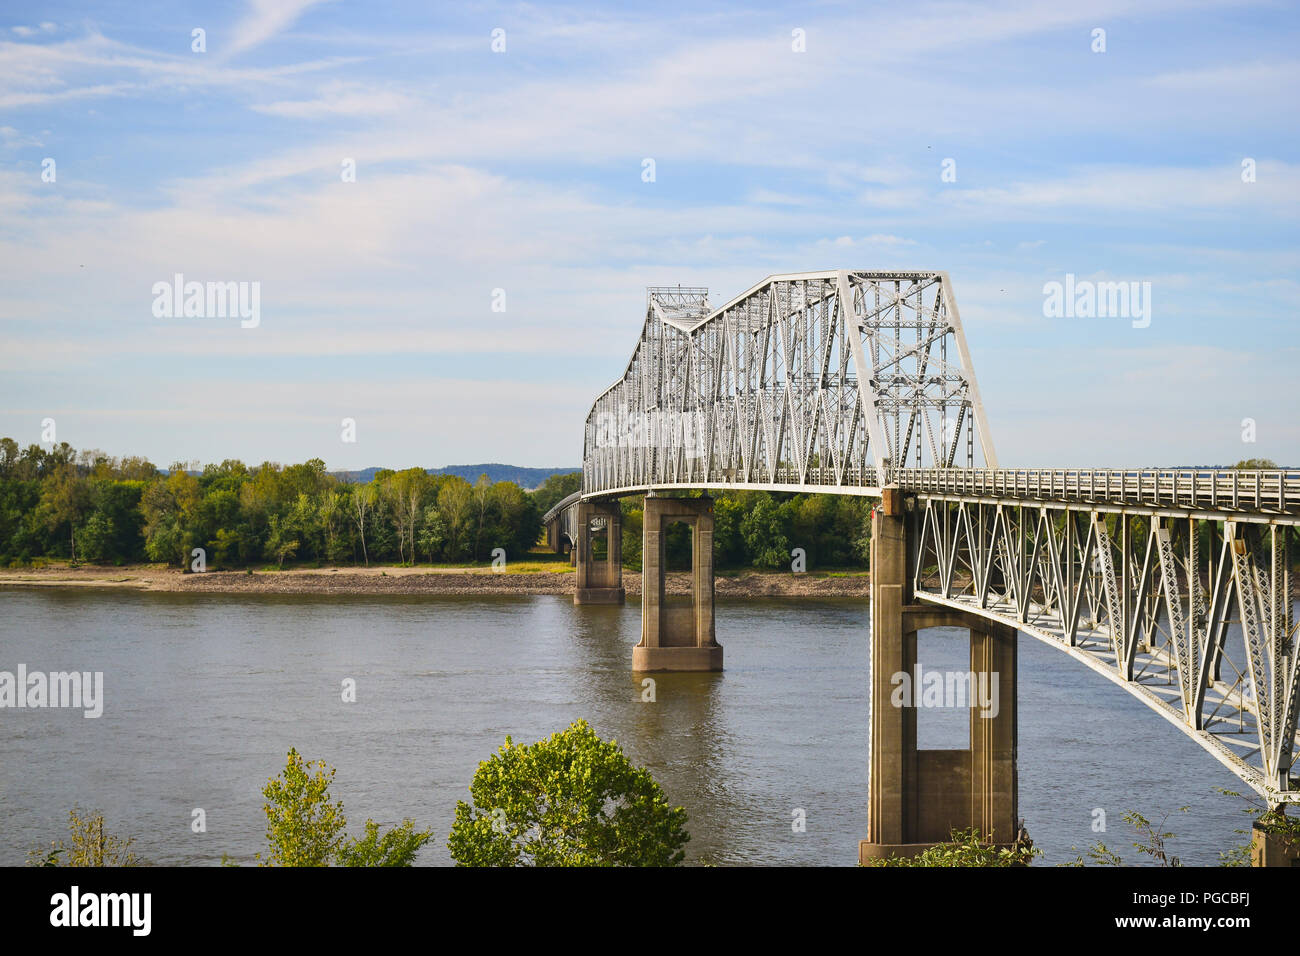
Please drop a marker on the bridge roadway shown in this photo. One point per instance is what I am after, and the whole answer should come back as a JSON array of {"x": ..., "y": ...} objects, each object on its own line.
[{"x": 1174, "y": 583}]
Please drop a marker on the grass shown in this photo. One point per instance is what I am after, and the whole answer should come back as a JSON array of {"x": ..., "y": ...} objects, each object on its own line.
[{"x": 811, "y": 573}]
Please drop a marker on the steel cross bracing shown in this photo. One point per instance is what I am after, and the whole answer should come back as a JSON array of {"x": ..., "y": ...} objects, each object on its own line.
[
  {"x": 1192, "y": 613},
  {"x": 812, "y": 379},
  {"x": 1174, "y": 583}
]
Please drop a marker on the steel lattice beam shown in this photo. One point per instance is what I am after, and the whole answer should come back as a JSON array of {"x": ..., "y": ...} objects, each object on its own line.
[{"x": 1202, "y": 634}]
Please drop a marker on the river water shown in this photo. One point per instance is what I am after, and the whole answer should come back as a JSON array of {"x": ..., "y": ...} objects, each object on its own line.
[{"x": 204, "y": 694}]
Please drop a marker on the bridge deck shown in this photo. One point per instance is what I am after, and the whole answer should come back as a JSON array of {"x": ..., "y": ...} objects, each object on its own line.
[{"x": 1244, "y": 494}]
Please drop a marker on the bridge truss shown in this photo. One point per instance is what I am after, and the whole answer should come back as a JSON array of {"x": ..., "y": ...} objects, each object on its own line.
[
  {"x": 816, "y": 378},
  {"x": 1192, "y": 613},
  {"x": 1175, "y": 584}
]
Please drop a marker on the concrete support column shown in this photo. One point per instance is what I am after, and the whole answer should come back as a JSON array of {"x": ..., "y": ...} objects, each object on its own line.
[
  {"x": 917, "y": 797},
  {"x": 994, "y": 737},
  {"x": 892, "y": 802},
  {"x": 599, "y": 580},
  {"x": 677, "y": 636}
]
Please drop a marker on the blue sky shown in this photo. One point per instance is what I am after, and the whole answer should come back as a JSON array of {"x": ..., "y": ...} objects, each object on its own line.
[{"x": 522, "y": 170}]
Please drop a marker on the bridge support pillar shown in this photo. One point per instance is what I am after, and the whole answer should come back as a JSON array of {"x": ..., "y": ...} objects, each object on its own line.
[
  {"x": 677, "y": 637},
  {"x": 600, "y": 579},
  {"x": 917, "y": 797},
  {"x": 1273, "y": 848}
]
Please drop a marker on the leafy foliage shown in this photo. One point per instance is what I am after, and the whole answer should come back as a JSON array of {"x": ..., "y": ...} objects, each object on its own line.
[
  {"x": 1152, "y": 844},
  {"x": 305, "y": 828},
  {"x": 555, "y": 489},
  {"x": 572, "y": 799},
  {"x": 90, "y": 506},
  {"x": 302, "y": 826},
  {"x": 88, "y": 844},
  {"x": 397, "y": 847},
  {"x": 1274, "y": 821},
  {"x": 965, "y": 848}
]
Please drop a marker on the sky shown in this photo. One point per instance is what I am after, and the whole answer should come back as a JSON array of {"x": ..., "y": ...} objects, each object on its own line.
[{"x": 386, "y": 177}]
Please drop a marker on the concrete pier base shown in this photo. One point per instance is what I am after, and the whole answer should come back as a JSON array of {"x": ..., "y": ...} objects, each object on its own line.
[
  {"x": 917, "y": 797},
  {"x": 600, "y": 576},
  {"x": 677, "y": 658},
  {"x": 1272, "y": 849},
  {"x": 677, "y": 637}
]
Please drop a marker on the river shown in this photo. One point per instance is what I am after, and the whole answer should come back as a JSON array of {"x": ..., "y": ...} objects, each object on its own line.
[{"x": 204, "y": 694}]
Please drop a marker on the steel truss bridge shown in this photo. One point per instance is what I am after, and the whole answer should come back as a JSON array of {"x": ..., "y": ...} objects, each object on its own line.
[{"x": 1175, "y": 584}]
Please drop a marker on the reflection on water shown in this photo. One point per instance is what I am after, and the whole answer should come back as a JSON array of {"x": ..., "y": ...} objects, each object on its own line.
[{"x": 206, "y": 693}]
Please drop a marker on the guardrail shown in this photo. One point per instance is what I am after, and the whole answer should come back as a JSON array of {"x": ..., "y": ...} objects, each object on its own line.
[
  {"x": 1225, "y": 489},
  {"x": 1195, "y": 489}
]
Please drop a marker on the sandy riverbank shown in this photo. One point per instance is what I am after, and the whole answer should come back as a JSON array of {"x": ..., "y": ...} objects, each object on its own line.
[{"x": 392, "y": 580}]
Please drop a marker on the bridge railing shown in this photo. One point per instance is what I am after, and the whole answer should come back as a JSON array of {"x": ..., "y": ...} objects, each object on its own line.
[
  {"x": 561, "y": 506},
  {"x": 1225, "y": 489},
  {"x": 1195, "y": 489}
]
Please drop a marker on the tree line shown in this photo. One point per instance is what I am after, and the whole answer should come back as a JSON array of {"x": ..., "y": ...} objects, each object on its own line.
[{"x": 87, "y": 506}]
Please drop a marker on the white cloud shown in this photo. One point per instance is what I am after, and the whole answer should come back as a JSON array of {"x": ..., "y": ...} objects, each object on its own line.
[
  {"x": 262, "y": 21},
  {"x": 343, "y": 99}
]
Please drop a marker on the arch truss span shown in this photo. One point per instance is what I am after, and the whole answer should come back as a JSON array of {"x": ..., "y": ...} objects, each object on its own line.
[
  {"x": 806, "y": 380},
  {"x": 1193, "y": 613}
]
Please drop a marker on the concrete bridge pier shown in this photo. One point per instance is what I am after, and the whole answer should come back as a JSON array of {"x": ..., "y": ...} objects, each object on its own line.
[
  {"x": 917, "y": 797},
  {"x": 676, "y": 635},
  {"x": 599, "y": 578}
]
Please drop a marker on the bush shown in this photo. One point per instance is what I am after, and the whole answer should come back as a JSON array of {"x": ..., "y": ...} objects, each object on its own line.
[
  {"x": 89, "y": 844},
  {"x": 966, "y": 849},
  {"x": 570, "y": 800},
  {"x": 304, "y": 828}
]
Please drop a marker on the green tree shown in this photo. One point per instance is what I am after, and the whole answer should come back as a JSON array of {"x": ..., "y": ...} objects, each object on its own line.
[
  {"x": 169, "y": 507},
  {"x": 633, "y": 526},
  {"x": 97, "y": 536},
  {"x": 363, "y": 506},
  {"x": 118, "y": 530},
  {"x": 333, "y": 516},
  {"x": 282, "y": 542},
  {"x": 569, "y": 800},
  {"x": 555, "y": 489},
  {"x": 304, "y": 827},
  {"x": 455, "y": 507},
  {"x": 480, "y": 501},
  {"x": 65, "y": 500},
  {"x": 404, "y": 493},
  {"x": 515, "y": 524},
  {"x": 433, "y": 533},
  {"x": 766, "y": 532}
]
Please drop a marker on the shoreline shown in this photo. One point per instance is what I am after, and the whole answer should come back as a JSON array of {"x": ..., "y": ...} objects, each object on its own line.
[{"x": 397, "y": 580}]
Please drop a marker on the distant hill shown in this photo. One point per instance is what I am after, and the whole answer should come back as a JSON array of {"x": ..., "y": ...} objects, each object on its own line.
[{"x": 526, "y": 478}]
